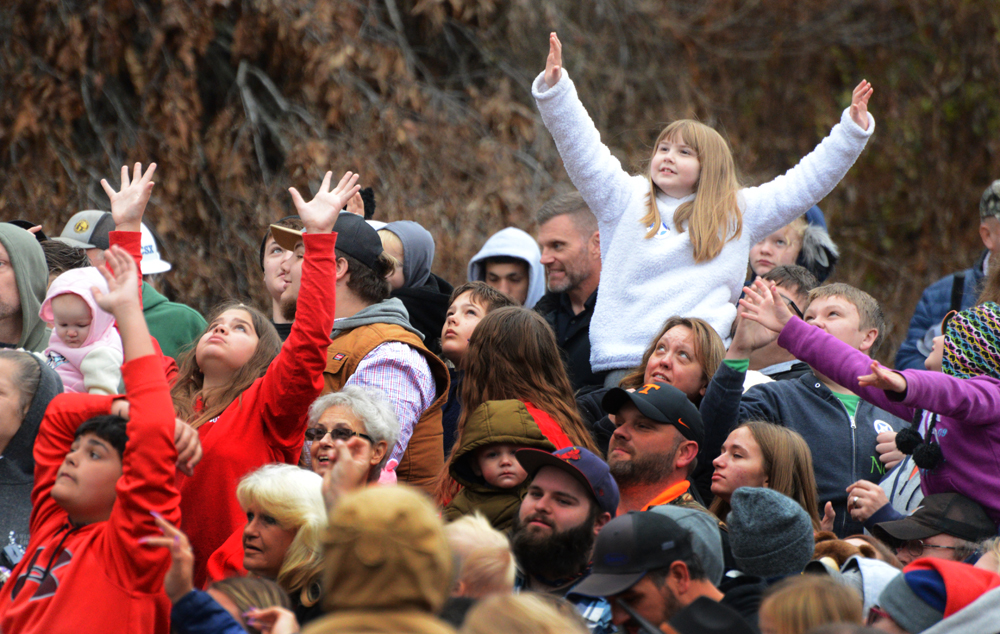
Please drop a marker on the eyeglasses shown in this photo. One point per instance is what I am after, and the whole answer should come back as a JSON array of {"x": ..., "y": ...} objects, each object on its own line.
[
  {"x": 915, "y": 547},
  {"x": 337, "y": 433},
  {"x": 795, "y": 309},
  {"x": 876, "y": 614}
]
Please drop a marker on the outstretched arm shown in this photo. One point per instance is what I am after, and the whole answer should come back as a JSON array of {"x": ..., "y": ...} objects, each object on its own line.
[
  {"x": 773, "y": 205},
  {"x": 295, "y": 378},
  {"x": 148, "y": 464},
  {"x": 763, "y": 304},
  {"x": 599, "y": 176}
]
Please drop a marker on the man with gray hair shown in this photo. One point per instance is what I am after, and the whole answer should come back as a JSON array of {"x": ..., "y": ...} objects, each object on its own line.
[
  {"x": 957, "y": 291},
  {"x": 571, "y": 254}
]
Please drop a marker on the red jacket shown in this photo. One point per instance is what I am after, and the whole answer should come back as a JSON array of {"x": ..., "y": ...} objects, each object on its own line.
[
  {"x": 131, "y": 241},
  {"x": 100, "y": 579},
  {"x": 267, "y": 423}
]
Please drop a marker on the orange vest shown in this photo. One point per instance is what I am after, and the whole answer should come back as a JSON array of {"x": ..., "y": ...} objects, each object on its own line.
[{"x": 424, "y": 455}]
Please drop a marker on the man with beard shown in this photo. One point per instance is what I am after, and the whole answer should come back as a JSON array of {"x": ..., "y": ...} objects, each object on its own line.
[
  {"x": 571, "y": 495},
  {"x": 654, "y": 446},
  {"x": 647, "y": 561},
  {"x": 374, "y": 345},
  {"x": 571, "y": 254}
]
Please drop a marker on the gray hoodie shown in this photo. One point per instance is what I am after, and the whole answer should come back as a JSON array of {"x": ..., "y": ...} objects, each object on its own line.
[
  {"x": 512, "y": 242},
  {"x": 32, "y": 275},
  {"x": 17, "y": 464}
]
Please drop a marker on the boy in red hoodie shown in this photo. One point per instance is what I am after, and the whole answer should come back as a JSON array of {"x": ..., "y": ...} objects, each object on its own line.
[{"x": 98, "y": 483}]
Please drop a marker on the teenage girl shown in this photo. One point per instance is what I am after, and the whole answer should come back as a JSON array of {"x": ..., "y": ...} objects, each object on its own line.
[{"x": 675, "y": 241}]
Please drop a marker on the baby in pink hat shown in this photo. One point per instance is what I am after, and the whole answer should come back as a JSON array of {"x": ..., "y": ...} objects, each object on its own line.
[{"x": 85, "y": 348}]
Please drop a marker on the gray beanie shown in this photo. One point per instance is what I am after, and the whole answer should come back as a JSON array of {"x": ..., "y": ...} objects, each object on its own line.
[{"x": 770, "y": 534}]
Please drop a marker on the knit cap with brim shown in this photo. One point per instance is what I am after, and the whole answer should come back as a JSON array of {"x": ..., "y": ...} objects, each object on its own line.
[
  {"x": 930, "y": 590},
  {"x": 769, "y": 533},
  {"x": 972, "y": 342}
]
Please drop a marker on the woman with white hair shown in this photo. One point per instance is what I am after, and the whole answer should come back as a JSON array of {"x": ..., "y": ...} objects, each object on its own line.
[
  {"x": 360, "y": 419},
  {"x": 282, "y": 538}
]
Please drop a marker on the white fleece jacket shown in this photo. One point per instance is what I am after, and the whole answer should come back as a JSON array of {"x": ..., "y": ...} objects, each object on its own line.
[{"x": 645, "y": 281}]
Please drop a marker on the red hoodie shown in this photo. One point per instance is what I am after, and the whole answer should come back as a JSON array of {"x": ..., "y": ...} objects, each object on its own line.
[
  {"x": 267, "y": 423},
  {"x": 98, "y": 578}
]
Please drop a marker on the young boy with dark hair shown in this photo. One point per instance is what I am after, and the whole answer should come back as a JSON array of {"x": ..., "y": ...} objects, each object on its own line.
[
  {"x": 469, "y": 303},
  {"x": 99, "y": 481}
]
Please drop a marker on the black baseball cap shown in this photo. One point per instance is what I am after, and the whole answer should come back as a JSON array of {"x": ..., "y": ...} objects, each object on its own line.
[
  {"x": 662, "y": 403},
  {"x": 630, "y": 546},
  {"x": 355, "y": 237},
  {"x": 948, "y": 513}
]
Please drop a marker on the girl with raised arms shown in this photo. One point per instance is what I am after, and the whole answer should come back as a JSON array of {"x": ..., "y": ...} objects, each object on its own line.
[{"x": 676, "y": 240}]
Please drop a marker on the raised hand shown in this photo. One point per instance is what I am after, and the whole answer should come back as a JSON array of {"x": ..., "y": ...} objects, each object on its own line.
[
  {"x": 348, "y": 471},
  {"x": 750, "y": 336},
  {"x": 764, "y": 305},
  {"x": 883, "y": 379},
  {"x": 129, "y": 203},
  {"x": 829, "y": 516},
  {"x": 859, "y": 103},
  {"x": 356, "y": 205},
  {"x": 123, "y": 283},
  {"x": 180, "y": 578},
  {"x": 320, "y": 214},
  {"x": 553, "y": 63}
]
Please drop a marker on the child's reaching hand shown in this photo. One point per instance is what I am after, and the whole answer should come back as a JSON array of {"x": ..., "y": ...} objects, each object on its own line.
[
  {"x": 553, "y": 64},
  {"x": 859, "y": 103},
  {"x": 883, "y": 379},
  {"x": 123, "y": 283},
  {"x": 765, "y": 306},
  {"x": 129, "y": 204}
]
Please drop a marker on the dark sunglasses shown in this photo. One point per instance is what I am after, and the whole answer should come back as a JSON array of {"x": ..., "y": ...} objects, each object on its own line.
[{"x": 338, "y": 433}]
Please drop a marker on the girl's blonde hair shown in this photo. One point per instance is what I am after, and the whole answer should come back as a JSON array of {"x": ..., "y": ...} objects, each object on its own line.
[
  {"x": 294, "y": 498},
  {"x": 486, "y": 565},
  {"x": 524, "y": 612},
  {"x": 788, "y": 465},
  {"x": 800, "y": 603},
  {"x": 713, "y": 217}
]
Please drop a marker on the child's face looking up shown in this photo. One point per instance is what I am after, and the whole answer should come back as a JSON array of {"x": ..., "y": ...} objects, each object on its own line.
[
  {"x": 85, "y": 483},
  {"x": 462, "y": 317},
  {"x": 498, "y": 466},
  {"x": 675, "y": 167},
  {"x": 71, "y": 319}
]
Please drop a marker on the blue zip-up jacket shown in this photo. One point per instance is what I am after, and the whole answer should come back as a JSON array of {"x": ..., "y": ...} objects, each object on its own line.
[
  {"x": 934, "y": 304},
  {"x": 843, "y": 451}
]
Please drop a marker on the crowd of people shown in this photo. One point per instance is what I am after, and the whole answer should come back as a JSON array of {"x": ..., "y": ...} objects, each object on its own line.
[{"x": 654, "y": 415}]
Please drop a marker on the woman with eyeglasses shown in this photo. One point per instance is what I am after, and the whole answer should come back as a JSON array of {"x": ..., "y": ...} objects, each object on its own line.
[{"x": 359, "y": 420}]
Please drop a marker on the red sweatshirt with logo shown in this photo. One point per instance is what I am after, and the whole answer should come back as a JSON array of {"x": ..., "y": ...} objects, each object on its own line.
[
  {"x": 98, "y": 578},
  {"x": 267, "y": 423}
]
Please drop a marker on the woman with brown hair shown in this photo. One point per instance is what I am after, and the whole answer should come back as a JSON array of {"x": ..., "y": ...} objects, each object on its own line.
[
  {"x": 760, "y": 454},
  {"x": 685, "y": 354},
  {"x": 513, "y": 355},
  {"x": 245, "y": 393}
]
